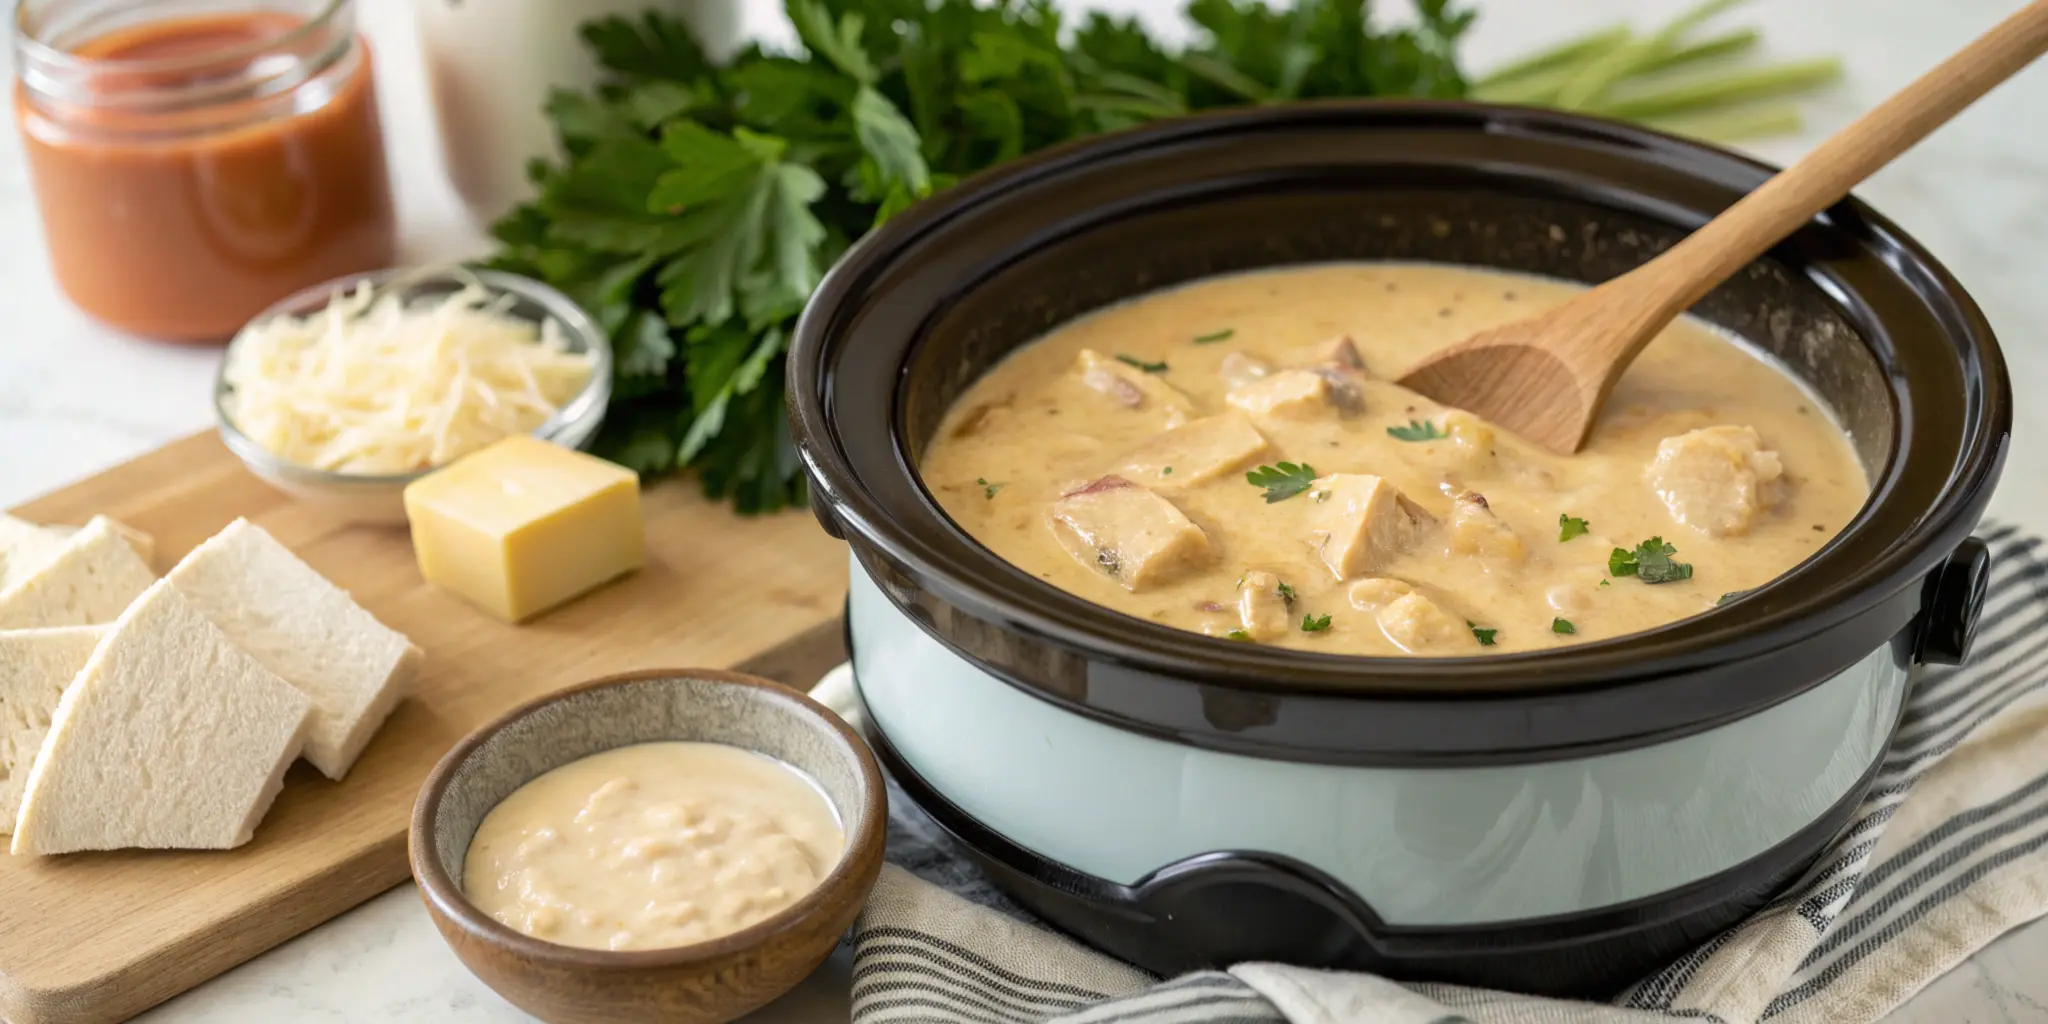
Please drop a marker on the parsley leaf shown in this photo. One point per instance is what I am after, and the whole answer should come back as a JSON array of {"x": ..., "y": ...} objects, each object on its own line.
[
  {"x": 1210, "y": 339},
  {"x": 1622, "y": 562},
  {"x": 1483, "y": 635},
  {"x": 1733, "y": 595},
  {"x": 988, "y": 490},
  {"x": 654, "y": 47},
  {"x": 1283, "y": 481},
  {"x": 839, "y": 42},
  {"x": 1655, "y": 565},
  {"x": 1238, "y": 634},
  {"x": 1159, "y": 367},
  {"x": 1166, "y": 471},
  {"x": 1416, "y": 430},
  {"x": 698, "y": 199},
  {"x": 1286, "y": 592},
  {"x": 1569, "y": 527},
  {"x": 1562, "y": 626},
  {"x": 1650, "y": 562},
  {"x": 885, "y": 102},
  {"x": 1314, "y": 623}
]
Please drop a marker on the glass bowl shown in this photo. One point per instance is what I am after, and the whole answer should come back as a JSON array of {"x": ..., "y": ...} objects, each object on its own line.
[{"x": 378, "y": 498}]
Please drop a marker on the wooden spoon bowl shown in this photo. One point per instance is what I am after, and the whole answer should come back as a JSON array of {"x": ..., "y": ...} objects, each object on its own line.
[{"x": 1546, "y": 377}]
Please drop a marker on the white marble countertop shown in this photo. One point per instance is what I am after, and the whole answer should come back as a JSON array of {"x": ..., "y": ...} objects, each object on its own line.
[{"x": 76, "y": 398}]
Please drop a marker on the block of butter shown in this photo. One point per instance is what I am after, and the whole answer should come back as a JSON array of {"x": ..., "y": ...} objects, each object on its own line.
[{"x": 524, "y": 525}]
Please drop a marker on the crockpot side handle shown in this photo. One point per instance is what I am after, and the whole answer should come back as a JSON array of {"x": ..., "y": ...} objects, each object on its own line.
[{"x": 1952, "y": 598}]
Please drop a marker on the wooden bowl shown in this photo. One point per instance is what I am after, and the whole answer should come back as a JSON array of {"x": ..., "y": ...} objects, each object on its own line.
[{"x": 706, "y": 982}]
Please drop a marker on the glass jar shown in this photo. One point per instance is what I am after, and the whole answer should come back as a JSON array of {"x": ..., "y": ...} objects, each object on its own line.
[{"x": 195, "y": 161}]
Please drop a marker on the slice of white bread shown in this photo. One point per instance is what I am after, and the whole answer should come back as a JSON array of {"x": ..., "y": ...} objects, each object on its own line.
[
  {"x": 305, "y": 629},
  {"x": 144, "y": 544},
  {"x": 90, "y": 581},
  {"x": 170, "y": 738},
  {"x": 35, "y": 667},
  {"x": 24, "y": 548}
]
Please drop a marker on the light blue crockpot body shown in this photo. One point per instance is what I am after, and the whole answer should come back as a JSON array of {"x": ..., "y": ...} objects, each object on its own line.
[{"x": 1421, "y": 846}]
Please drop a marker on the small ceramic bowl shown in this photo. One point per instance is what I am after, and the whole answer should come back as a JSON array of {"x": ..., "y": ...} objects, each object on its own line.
[
  {"x": 378, "y": 498},
  {"x": 702, "y": 983}
]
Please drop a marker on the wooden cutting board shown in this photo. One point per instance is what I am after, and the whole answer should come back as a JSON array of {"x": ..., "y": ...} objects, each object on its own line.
[{"x": 100, "y": 937}]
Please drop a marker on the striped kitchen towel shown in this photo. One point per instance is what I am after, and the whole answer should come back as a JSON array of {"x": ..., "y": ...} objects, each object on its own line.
[{"x": 1948, "y": 851}]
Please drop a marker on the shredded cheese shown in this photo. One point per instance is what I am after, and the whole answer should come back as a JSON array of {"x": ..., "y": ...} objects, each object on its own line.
[{"x": 373, "y": 385}]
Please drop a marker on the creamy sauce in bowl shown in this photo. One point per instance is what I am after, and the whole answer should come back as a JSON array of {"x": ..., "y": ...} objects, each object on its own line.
[
  {"x": 1111, "y": 459},
  {"x": 652, "y": 846}
]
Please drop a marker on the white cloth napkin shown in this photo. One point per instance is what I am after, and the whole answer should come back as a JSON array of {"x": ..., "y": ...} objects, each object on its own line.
[{"x": 1948, "y": 851}]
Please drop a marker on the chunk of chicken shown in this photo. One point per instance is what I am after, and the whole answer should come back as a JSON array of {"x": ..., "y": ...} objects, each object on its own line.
[
  {"x": 1345, "y": 392},
  {"x": 1716, "y": 479},
  {"x": 1407, "y": 617},
  {"x": 1475, "y": 530},
  {"x": 1471, "y": 439},
  {"x": 1241, "y": 368},
  {"x": 1196, "y": 451},
  {"x": 1263, "y": 609},
  {"x": 1300, "y": 394},
  {"x": 1289, "y": 394},
  {"x": 1417, "y": 624},
  {"x": 1338, "y": 351},
  {"x": 1359, "y": 521},
  {"x": 1132, "y": 388},
  {"x": 1137, "y": 537}
]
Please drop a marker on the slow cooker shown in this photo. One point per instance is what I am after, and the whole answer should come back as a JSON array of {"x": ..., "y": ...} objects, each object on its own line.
[{"x": 1559, "y": 822}]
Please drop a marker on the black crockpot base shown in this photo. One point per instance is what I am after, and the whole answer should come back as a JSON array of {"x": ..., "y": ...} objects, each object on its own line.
[{"x": 1223, "y": 908}]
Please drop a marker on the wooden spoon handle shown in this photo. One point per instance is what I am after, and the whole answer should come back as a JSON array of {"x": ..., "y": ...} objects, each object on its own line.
[{"x": 1689, "y": 270}]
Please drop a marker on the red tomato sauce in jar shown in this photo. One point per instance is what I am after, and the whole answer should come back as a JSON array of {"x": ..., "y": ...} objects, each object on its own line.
[{"x": 193, "y": 170}]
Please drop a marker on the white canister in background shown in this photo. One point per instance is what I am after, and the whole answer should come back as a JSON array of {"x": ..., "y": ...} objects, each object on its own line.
[{"x": 492, "y": 63}]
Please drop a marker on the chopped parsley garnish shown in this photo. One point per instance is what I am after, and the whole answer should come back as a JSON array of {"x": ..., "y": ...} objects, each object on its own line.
[
  {"x": 1481, "y": 633},
  {"x": 1730, "y": 596},
  {"x": 1286, "y": 592},
  {"x": 1168, "y": 471},
  {"x": 1563, "y": 626},
  {"x": 1321, "y": 495},
  {"x": 1314, "y": 623},
  {"x": 1283, "y": 481},
  {"x": 1159, "y": 367},
  {"x": 1650, "y": 562},
  {"x": 1212, "y": 338},
  {"x": 1603, "y": 583},
  {"x": 1569, "y": 527},
  {"x": 1416, "y": 430},
  {"x": 988, "y": 490},
  {"x": 1622, "y": 562},
  {"x": 1238, "y": 634}
]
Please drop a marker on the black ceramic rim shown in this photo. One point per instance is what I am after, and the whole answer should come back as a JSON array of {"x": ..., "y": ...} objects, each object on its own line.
[{"x": 1856, "y": 595}]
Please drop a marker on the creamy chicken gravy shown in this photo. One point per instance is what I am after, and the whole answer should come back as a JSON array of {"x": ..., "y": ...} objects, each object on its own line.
[
  {"x": 652, "y": 846},
  {"x": 1110, "y": 459}
]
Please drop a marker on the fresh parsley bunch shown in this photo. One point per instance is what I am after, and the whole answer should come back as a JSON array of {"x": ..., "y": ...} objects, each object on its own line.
[{"x": 701, "y": 201}]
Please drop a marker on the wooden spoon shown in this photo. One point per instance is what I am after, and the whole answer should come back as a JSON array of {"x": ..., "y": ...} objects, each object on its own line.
[{"x": 1547, "y": 376}]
